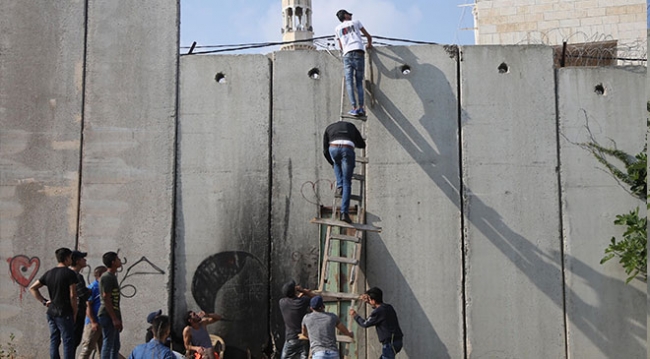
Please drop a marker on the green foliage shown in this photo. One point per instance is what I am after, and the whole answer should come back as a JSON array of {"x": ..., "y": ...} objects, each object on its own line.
[
  {"x": 635, "y": 166},
  {"x": 632, "y": 249},
  {"x": 8, "y": 351}
]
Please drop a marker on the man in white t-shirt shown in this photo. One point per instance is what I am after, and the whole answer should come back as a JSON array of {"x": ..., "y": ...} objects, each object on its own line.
[{"x": 348, "y": 34}]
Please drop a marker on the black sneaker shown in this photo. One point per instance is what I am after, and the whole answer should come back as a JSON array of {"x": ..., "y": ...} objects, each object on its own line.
[
  {"x": 361, "y": 113},
  {"x": 346, "y": 218},
  {"x": 339, "y": 192}
]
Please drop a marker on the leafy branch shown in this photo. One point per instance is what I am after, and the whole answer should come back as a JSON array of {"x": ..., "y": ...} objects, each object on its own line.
[{"x": 631, "y": 250}]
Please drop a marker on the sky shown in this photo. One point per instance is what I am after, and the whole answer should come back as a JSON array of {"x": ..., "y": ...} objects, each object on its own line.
[{"x": 219, "y": 22}]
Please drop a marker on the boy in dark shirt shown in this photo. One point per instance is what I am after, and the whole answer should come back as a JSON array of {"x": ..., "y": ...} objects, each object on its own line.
[
  {"x": 384, "y": 318},
  {"x": 61, "y": 283}
]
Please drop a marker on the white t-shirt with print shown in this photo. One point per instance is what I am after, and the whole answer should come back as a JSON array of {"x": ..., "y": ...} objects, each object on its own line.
[{"x": 349, "y": 32}]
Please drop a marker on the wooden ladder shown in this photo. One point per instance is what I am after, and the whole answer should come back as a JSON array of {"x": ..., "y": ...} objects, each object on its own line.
[{"x": 342, "y": 248}]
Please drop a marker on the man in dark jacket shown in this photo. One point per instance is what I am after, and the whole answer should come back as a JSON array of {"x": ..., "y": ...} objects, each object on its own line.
[
  {"x": 339, "y": 141},
  {"x": 384, "y": 318}
]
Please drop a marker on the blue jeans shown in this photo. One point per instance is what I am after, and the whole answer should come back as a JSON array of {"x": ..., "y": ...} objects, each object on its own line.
[
  {"x": 111, "y": 338},
  {"x": 295, "y": 348},
  {"x": 61, "y": 328},
  {"x": 389, "y": 350},
  {"x": 343, "y": 158},
  {"x": 354, "y": 64},
  {"x": 325, "y": 354}
]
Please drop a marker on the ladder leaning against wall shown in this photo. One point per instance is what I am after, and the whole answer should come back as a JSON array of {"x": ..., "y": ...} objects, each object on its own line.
[{"x": 342, "y": 247}]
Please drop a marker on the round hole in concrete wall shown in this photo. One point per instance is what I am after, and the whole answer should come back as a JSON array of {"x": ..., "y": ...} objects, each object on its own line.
[
  {"x": 503, "y": 68},
  {"x": 314, "y": 74},
  {"x": 405, "y": 69},
  {"x": 220, "y": 78},
  {"x": 599, "y": 89}
]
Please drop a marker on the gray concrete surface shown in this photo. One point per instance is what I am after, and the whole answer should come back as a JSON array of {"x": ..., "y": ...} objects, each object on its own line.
[
  {"x": 605, "y": 316},
  {"x": 41, "y": 68},
  {"x": 414, "y": 195},
  {"x": 513, "y": 245},
  {"x": 222, "y": 211},
  {"x": 129, "y": 150},
  {"x": 227, "y": 229},
  {"x": 302, "y": 178}
]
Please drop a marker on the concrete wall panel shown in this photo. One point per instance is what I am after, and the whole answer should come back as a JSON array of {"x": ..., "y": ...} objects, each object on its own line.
[
  {"x": 302, "y": 178},
  {"x": 514, "y": 264},
  {"x": 222, "y": 215},
  {"x": 128, "y": 150},
  {"x": 41, "y": 68},
  {"x": 413, "y": 194},
  {"x": 606, "y": 316}
]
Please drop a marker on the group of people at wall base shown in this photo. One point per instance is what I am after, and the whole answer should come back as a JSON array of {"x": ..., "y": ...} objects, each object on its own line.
[
  {"x": 90, "y": 317},
  {"x": 309, "y": 327}
]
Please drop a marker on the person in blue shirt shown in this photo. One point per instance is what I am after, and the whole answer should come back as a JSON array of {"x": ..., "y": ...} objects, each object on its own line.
[
  {"x": 155, "y": 347},
  {"x": 91, "y": 340}
]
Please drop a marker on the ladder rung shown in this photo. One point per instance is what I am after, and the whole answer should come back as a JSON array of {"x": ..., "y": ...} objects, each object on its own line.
[
  {"x": 362, "y": 159},
  {"x": 355, "y": 197},
  {"x": 343, "y": 260},
  {"x": 334, "y": 296},
  {"x": 359, "y": 177},
  {"x": 360, "y": 118},
  {"x": 344, "y": 339},
  {"x": 357, "y": 226},
  {"x": 343, "y": 237}
]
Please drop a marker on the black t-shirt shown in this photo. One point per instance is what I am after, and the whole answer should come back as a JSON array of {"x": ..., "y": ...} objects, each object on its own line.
[
  {"x": 293, "y": 309},
  {"x": 83, "y": 294},
  {"x": 58, "y": 281}
]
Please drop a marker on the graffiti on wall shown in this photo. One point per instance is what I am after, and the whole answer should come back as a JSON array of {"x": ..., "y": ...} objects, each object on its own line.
[
  {"x": 142, "y": 266},
  {"x": 234, "y": 283},
  {"x": 311, "y": 190},
  {"x": 23, "y": 269}
]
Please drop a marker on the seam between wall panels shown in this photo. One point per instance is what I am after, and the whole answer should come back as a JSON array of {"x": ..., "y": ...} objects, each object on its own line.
[
  {"x": 461, "y": 191},
  {"x": 81, "y": 127},
  {"x": 172, "y": 245},
  {"x": 269, "y": 260},
  {"x": 560, "y": 211}
]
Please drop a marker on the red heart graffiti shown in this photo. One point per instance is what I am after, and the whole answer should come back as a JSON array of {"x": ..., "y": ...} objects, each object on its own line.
[
  {"x": 313, "y": 196},
  {"x": 23, "y": 269}
]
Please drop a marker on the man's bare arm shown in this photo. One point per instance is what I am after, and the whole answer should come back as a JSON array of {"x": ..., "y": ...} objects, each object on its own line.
[
  {"x": 117, "y": 323},
  {"x": 209, "y": 318},
  {"x": 73, "y": 299},
  {"x": 341, "y": 327},
  {"x": 368, "y": 37},
  {"x": 34, "y": 289}
]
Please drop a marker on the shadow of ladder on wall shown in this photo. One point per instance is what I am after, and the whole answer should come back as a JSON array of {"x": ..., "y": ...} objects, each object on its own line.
[{"x": 342, "y": 247}]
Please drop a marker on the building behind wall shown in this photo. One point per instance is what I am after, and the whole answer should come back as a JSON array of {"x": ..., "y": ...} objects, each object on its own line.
[
  {"x": 297, "y": 25},
  {"x": 596, "y": 31}
]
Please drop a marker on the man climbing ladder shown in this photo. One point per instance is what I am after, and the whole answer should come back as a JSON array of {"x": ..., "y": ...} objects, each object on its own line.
[
  {"x": 348, "y": 33},
  {"x": 339, "y": 141}
]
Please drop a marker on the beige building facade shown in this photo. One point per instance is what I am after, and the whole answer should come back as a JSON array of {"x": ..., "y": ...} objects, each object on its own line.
[{"x": 619, "y": 24}]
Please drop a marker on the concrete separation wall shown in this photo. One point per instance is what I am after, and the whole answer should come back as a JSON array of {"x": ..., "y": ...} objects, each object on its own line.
[
  {"x": 302, "y": 178},
  {"x": 222, "y": 248},
  {"x": 414, "y": 195},
  {"x": 493, "y": 219},
  {"x": 41, "y": 69},
  {"x": 605, "y": 316},
  {"x": 128, "y": 150},
  {"x": 513, "y": 246}
]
